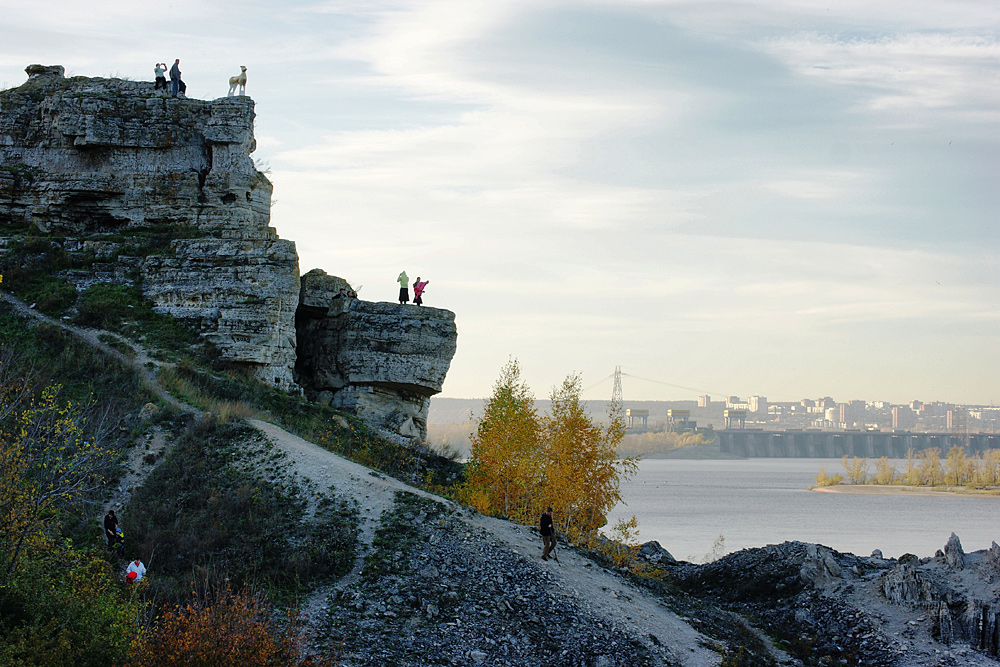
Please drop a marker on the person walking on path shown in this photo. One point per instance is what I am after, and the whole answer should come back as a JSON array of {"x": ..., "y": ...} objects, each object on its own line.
[
  {"x": 418, "y": 291},
  {"x": 404, "y": 283},
  {"x": 175, "y": 78},
  {"x": 111, "y": 528},
  {"x": 548, "y": 535},
  {"x": 161, "y": 81}
]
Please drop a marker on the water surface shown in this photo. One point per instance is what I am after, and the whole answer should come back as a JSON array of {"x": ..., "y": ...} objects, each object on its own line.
[{"x": 686, "y": 505}]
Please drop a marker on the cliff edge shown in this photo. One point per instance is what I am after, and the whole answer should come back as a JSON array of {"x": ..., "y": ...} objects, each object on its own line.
[{"x": 138, "y": 188}]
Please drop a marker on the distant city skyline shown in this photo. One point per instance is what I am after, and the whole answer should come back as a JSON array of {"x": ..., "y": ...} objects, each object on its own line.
[{"x": 780, "y": 197}]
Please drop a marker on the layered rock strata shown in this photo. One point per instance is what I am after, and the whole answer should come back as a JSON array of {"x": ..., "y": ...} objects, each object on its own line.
[
  {"x": 160, "y": 192},
  {"x": 100, "y": 162},
  {"x": 381, "y": 360}
]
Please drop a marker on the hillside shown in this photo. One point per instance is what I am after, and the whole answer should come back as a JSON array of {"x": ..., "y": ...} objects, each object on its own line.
[
  {"x": 422, "y": 580},
  {"x": 262, "y": 439}
]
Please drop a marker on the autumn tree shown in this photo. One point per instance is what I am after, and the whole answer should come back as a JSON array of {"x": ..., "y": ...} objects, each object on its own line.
[
  {"x": 911, "y": 469},
  {"x": 232, "y": 629},
  {"x": 505, "y": 465},
  {"x": 45, "y": 462},
  {"x": 956, "y": 466},
  {"x": 856, "y": 468},
  {"x": 885, "y": 472},
  {"x": 930, "y": 467},
  {"x": 581, "y": 465}
]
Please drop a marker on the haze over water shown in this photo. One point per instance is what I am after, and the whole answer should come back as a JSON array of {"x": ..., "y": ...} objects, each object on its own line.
[{"x": 685, "y": 505}]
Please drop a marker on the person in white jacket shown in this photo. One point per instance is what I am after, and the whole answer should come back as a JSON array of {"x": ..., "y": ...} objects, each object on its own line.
[{"x": 135, "y": 567}]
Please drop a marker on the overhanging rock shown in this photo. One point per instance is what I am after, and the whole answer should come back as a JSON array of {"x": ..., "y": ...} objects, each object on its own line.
[{"x": 382, "y": 360}]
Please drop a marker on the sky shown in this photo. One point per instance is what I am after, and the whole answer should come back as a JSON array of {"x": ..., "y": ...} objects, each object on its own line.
[{"x": 785, "y": 198}]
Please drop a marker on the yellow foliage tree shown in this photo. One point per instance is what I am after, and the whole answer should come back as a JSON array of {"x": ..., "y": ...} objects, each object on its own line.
[
  {"x": 521, "y": 464},
  {"x": 582, "y": 468},
  {"x": 956, "y": 466},
  {"x": 856, "y": 468},
  {"x": 505, "y": 465},
  {"x": 885, "y": 472},
  {"x": 930, "y": 467},
  {"x": 45, "y": 461}
]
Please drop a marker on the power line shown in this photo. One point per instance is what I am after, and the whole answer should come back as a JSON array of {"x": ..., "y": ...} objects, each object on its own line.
[
  {"x": 676, "y": 386},
  {"x": 618, "y": 374}
]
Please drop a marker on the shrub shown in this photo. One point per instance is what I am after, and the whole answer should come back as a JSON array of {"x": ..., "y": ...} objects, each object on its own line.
[
  {"x": 823, "y": 479},
  {"x": 220, "y": 501},
  {"x": 232, "y": 629}
]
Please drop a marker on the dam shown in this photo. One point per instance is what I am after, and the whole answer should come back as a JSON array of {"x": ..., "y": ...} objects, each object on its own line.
[{"x": 759, "y": 443}]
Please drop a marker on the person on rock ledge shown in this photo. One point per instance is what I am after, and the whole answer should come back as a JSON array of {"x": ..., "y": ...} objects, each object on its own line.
[
  {"x": 418, "y": 291},
  {"x": 548, "y": 535},
  {"x": 161, "y": 81},
  {"x": 176, "y": 85},
  {"x": 404, "y": 284}
]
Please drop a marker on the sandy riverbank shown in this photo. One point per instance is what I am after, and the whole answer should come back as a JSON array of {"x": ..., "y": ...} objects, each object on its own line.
[{"x": 895, "y": 490}]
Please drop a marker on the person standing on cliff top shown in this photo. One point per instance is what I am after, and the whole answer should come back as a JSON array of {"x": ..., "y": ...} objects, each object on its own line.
[
  {"x": 404, "y": 283},
  {"x": 548, "y": 535},
  {"x": 175, "y": 78},
  {"x": 418, "y": 291},
  {"x": 161, "y": 81}
]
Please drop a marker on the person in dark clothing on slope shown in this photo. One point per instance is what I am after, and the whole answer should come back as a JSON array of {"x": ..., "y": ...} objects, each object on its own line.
[
  {"x": 548, "y": 534},
  {"x": 111, "y": 528}
]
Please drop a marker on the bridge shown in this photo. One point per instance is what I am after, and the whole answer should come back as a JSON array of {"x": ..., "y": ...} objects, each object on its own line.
[{"x": 754, "y": 443}]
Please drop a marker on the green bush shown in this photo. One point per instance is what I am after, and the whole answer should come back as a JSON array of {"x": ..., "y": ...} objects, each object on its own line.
[
  {"x": 221, "y": 505},
  {"x": 30, "y": 270},
  {"x": 105, "y": 306},
  {"x": 69, "y": 608}
]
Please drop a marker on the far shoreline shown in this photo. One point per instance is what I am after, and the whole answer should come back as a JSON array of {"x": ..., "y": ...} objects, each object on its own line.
[{"x": 899, "y": 490}]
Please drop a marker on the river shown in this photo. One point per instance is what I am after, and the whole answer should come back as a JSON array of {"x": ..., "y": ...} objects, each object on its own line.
[{"x": 686, "y": 505}]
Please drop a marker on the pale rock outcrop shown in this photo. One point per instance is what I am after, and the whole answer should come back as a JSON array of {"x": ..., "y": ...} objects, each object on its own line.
[
  {"x": 382, "y": 360},
  {"x": 161, "y": 192},
  {"x": 95, "y": 160}
]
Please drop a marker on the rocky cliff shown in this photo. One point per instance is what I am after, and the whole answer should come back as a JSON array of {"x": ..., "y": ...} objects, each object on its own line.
[
  {"x": 383, "y": 361},
  {"x": 161, "y": 192}
]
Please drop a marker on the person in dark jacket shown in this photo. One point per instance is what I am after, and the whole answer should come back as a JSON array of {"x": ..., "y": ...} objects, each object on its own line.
[
  {"x": 111, "y": 528},
  {"x": 175, "y": 79},
  {"x": 548, "y": 534}
]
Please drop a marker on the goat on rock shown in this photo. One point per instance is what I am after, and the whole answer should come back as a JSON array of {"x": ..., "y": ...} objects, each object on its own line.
[{"x": 238, "y": 80}]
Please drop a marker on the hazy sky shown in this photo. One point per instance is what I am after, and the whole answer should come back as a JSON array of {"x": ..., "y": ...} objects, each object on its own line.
[{"x": 787, "y": 198}]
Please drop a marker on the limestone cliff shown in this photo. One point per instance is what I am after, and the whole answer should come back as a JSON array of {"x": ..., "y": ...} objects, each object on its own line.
[
  {"x": 161, "y": 192},
  {"x": 381, "y": 360},
  {"x": 105, "y": 159}
]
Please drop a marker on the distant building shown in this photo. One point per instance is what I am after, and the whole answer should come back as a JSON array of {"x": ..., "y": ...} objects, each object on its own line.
[
  {"x": 852, "y": 413},
  {"x": 704, "y": 401},
  {"x": 757, "y": 404},
  {"x": 680, "y": 421},
  {"x": 903, "y": 418},
  {"x": 632, "y": 415},
  {"x": 735, "y": 418}
]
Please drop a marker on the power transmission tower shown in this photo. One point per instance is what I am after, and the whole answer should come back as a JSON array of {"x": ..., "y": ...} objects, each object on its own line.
[{"x": 616, "y": 393}]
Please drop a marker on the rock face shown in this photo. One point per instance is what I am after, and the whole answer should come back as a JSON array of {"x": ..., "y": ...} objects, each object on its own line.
[
  {"x": 96, "y": 161},
  {"x": 959, "y": 590},
  {"x": 381, "y": 360},
  {"x": 143, "y": 189}
]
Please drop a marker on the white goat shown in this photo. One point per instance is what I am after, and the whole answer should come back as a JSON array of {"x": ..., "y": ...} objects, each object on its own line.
[{"x": 239, "y": 80}]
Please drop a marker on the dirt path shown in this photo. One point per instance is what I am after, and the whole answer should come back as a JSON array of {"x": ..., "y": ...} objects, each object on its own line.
[
  {"x": 597, "y": 590},
  {"x": 92, "y": 338}
]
